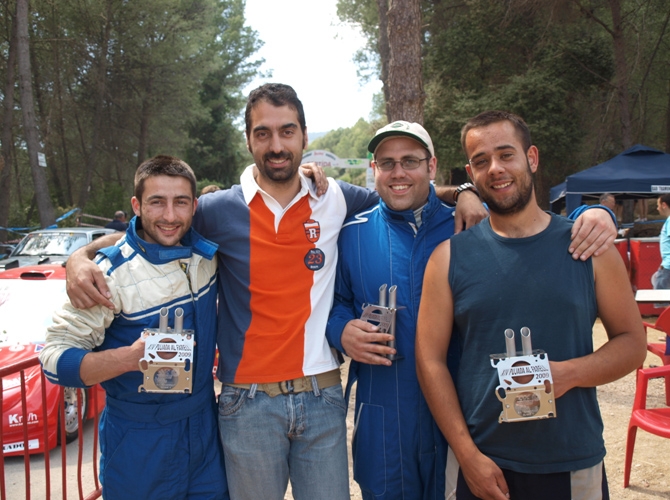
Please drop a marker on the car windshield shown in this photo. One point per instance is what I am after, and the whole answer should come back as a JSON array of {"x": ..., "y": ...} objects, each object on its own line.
[{"x": 56, "y": 243}]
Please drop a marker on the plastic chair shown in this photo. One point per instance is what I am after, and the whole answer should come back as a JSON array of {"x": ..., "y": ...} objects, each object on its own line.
[
  {"x": 662, "y": 324},
  {"x": 653, "y": 420}
]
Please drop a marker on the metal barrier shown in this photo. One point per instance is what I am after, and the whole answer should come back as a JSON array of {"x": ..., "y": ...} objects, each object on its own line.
[{"x": 20, "y": 368}]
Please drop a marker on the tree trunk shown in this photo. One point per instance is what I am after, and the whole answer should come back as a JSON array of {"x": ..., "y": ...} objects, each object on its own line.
[
  {"x": 7, "y": 137},
  {"x": 44, "y": 111},
  {"x": 145, "y": 120},
  {"x": 621, "y": 83},
  {"x": 65, "y": 194},
  {"x": 621, "y": 70},
  {"x": 61, "y": 129},
  {"x": 101, "y": 80},
  {"x": 384, "y": 51},
  {"x": 42, "y": 198},
  {"x": 405, "y": 81},
  {"x": 17, "y": 175}
]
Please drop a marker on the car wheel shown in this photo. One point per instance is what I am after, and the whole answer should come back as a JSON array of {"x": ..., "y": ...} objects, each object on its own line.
[{"x": 71, "y": 413}]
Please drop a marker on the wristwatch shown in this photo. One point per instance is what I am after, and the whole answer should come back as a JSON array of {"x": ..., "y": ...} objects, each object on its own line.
[{"x": 468, "y": 186}]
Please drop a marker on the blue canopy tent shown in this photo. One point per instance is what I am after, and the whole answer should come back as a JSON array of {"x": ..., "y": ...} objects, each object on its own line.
[{"x": 638, "y": 172}]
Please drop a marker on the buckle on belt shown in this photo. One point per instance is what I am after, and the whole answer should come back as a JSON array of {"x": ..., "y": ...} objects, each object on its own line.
[{"x": 286, "y": 387}]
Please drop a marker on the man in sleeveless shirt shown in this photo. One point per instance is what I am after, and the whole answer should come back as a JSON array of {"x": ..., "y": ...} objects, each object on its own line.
[{"x": 509, "y": 272}]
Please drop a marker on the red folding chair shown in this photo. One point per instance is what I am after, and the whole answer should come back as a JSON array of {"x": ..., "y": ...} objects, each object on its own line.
[
  {"x": 662, "y": 324},
  {"x": 653, "y": 420}
]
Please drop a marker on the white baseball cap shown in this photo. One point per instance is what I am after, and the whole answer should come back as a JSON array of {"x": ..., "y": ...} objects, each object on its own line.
[{"x": 402, "y": 128}]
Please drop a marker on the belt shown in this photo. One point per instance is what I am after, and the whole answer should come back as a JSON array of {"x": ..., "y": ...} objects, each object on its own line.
[{"x": 302, "y": 384}]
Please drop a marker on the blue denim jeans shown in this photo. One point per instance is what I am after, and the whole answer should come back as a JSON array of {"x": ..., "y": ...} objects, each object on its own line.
[
  {"x": 299, "y": 436},
  {"x": 660, "y": 280}
]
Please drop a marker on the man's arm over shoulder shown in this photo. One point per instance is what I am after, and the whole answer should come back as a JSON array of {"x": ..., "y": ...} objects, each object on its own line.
[
  {"x": 86, "y": 285},
  {"x": 433, "y": 334},
  {"x": 357, "y": 198},
  {"x": 469, "y": 208},
  {"x": 626, "y": 347},
  {"x": 594, "y": 231}
]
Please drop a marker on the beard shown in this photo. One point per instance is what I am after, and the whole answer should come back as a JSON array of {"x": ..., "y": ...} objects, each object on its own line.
[
  {"x": 279, "y": 175},
  {"x": 515, "y": 203}
]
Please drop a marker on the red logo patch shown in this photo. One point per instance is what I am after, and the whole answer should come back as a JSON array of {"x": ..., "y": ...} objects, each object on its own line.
[{"x": 312, "y": 230}]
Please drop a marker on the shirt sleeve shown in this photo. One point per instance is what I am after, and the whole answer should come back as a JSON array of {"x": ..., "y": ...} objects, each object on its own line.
[
  {"x": 357, "y": 198},
  {"x": 74, "y": 333}
]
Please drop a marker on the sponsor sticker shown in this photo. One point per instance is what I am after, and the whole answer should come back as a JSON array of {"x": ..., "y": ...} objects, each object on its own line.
[{"x": 33, "y": 444}]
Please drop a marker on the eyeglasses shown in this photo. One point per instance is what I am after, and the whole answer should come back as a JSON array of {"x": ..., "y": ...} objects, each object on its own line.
[{"x": 405, "y": 163}]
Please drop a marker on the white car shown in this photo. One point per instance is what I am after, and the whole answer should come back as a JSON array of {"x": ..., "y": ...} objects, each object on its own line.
[
  {"x": 51, "y": 246},
  {"x": 28, "y": 297}
]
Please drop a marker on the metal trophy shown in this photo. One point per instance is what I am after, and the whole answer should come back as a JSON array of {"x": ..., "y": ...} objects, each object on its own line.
[
  {"x": 167, "y": 364},
  {"x": 383, "y": 316},
  {"x": 526, "y": 388}
]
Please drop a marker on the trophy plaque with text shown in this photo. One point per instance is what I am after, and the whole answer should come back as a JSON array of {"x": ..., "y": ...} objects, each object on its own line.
[
  {"x": 167, "y": 365},
  {"x": 383, "y": 315},
  {"x": 526, "y": 388}
]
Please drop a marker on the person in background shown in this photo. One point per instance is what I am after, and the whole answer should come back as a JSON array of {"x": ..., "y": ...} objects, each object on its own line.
[
  {"x": 609, "y": 200},
  {"x": 660, "y": 280},
  {"x": 211, "y": 188},
  {"x": 119, "y": 222},
  {"x": 153, "y": 445},
  {"x": 510, "y": 272},
  {"x": 642, "y": 208}
]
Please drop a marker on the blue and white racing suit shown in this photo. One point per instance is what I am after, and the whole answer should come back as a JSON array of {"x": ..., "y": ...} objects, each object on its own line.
[{"x": 153, "y": 445}]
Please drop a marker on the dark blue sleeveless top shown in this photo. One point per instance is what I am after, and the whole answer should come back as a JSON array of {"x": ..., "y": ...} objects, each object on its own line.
[{"x": 501, "y": 283}]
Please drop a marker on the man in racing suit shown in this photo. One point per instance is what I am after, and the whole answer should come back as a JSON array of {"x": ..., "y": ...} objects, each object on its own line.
[{"x": 154, "y": 445}]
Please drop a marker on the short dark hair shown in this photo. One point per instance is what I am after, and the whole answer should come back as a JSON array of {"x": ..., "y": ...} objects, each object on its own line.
[
  {"x": 277, "y": 94},
  {"x": 162, "y": 165},
  {"x": 489, "y": 117},
  {"x": 665, "y": 198}
]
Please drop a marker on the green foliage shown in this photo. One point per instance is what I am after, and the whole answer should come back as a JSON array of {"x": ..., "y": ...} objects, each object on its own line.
[
  {"x": 108, "y": 200},
  {"x": 146, "y": 78},
  {"x": 550, "y": 61},
  {"x": 218, "y": 149},
  {"x": 484, "y": 55},
  {"x": 356, "y": 176},
  {"x": 351, "y": 142},
  {"x": 378, "y": 113},
  {"x": 364, "y": 15}
]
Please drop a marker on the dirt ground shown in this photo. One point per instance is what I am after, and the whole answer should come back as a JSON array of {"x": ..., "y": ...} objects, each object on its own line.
[{"x": 650, "y": 473}]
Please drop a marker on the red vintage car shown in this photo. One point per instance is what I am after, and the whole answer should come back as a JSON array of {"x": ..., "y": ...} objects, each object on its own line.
[{"x": 28, "y": 297}]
